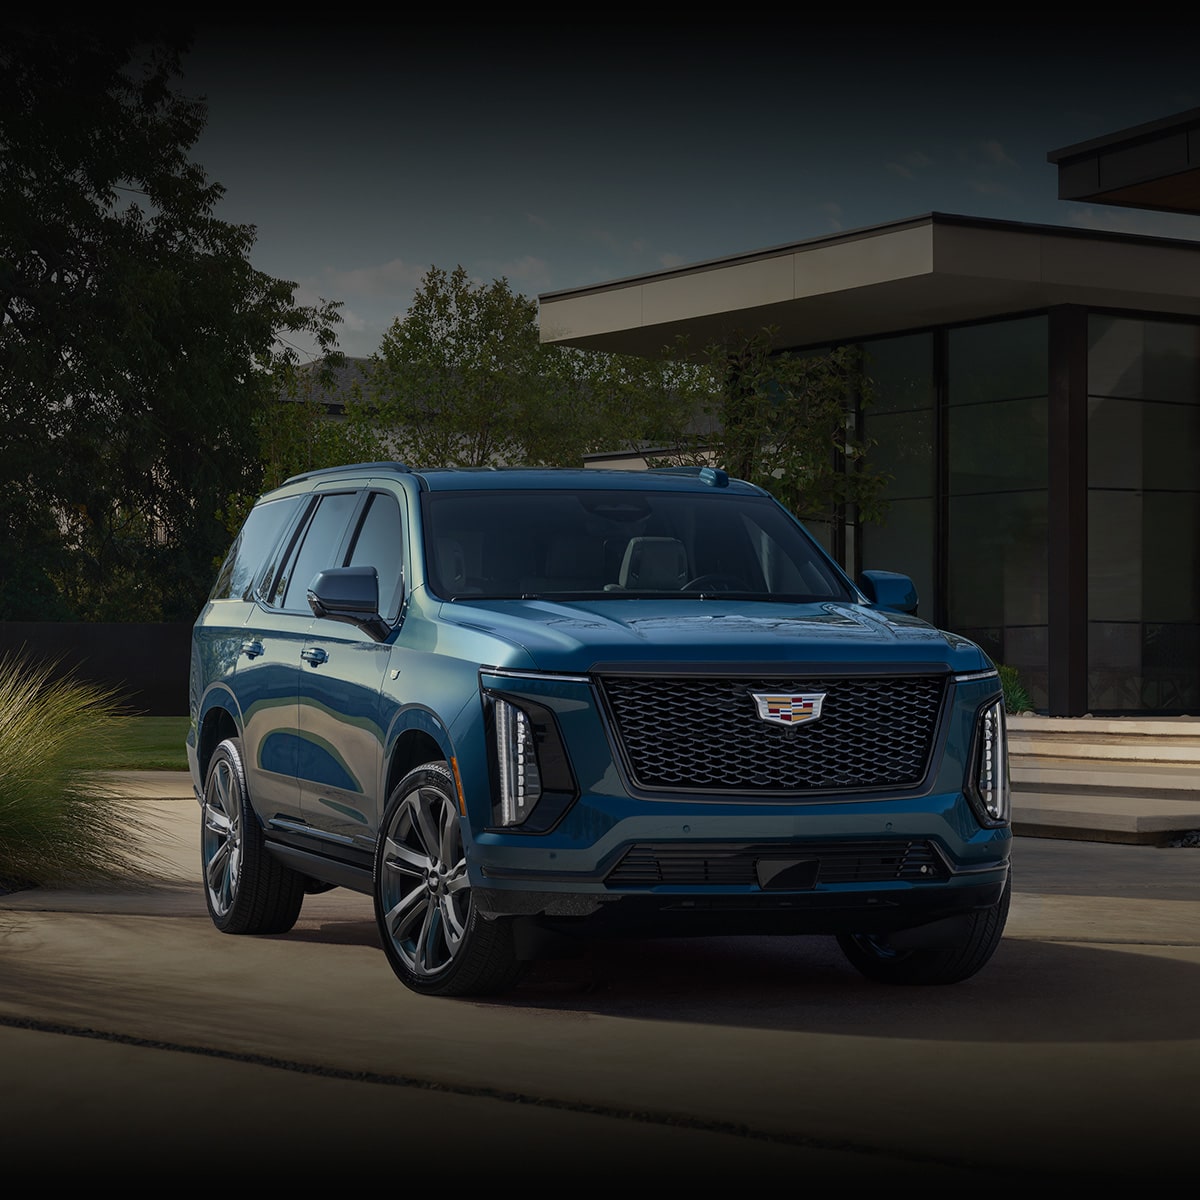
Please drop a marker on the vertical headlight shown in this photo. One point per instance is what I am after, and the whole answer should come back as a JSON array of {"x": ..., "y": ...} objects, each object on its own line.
[
  {"x": 988, "y": 784},
  {"x": 516, "y": 754}
]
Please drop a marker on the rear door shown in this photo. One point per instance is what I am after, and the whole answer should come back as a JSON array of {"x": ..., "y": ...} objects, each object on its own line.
[{"x": 270, "y": 668}]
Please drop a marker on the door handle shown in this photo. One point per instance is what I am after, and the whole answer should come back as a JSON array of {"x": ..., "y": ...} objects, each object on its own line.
[
  {"x": 252, "y": 649},
  {"x": 314, "y": 655}
]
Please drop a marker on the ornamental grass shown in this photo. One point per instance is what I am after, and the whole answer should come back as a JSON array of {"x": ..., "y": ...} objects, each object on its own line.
[{"x": 61, "y": 822}]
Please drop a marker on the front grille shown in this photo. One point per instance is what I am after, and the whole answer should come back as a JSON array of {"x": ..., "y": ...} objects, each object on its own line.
[
  {"x": 704, "y": 734},
  {"x": 734, "y": 864}
]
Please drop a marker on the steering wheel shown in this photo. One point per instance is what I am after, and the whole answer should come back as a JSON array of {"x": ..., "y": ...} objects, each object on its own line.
[{"x": 715, "y": 583}]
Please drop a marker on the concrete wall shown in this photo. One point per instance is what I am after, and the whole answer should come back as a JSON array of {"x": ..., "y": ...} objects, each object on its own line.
[{"x": 146, "y": 664}]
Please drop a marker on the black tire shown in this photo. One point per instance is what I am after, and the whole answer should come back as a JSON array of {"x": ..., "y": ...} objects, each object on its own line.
[
  {"x": 876, "y": 959},
  {"x": 245, "y": 888},
  {"x": 434, "y": 938}
]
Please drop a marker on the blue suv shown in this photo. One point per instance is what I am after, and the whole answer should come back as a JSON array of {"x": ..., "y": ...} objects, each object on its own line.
[{"x": 520, "y": 707}]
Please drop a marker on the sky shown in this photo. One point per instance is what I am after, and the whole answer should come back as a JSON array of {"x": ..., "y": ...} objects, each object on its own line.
[{"x": 559, "y": 156}]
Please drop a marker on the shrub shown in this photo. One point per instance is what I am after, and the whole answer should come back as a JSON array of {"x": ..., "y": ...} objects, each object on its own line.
[
  {"x": 59, "y": 822},
  {"x": 1016, "y": 698}
]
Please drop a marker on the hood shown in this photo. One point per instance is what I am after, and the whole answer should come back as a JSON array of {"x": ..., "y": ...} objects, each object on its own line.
[{"x": 581, "y": 636}]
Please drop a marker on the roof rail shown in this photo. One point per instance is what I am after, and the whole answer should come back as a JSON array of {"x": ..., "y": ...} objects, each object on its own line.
[
  {"x": 713, "y": 476},
  {"x": 397, "y": 468}
]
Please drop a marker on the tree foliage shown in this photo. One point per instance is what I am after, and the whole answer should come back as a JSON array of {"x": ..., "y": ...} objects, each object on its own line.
[
  {"x": 457, "y": 379},
  {"x": 319, "y": 420},
  {"x": 138, "y": 344},
  {"x": 463, "y": 379},
  {"x": 790, "y": 423}
]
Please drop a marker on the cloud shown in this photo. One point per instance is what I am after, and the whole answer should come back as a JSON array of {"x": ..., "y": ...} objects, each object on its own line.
[
  {"x": 990, "y": 187},
  {"x": 833, "y": 214},
  {"x": 671, "y": 260},
  {"x": 995, "y": 154},
  {"x": 910, "y": 164},
  {"x": 388, "y": 279},
  {"x": 351, "y": 321},
  {"x": 609, "y": 241},
  {"x": 526, "y": 269}
]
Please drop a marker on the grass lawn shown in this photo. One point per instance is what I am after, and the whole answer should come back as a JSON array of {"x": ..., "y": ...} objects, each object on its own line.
[{"x": 145, "y": 744}]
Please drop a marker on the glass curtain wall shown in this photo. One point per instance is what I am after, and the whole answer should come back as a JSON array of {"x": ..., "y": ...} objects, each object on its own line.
[
  {"x": 900, "y": 421},
  {"x": 1143, "y": 515},
  {"x": 959, "y": 421},
  {"x": 997, "y": 500}
]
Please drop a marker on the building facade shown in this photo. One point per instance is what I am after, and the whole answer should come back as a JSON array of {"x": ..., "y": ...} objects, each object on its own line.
[{"x": 1037, "y": 407}]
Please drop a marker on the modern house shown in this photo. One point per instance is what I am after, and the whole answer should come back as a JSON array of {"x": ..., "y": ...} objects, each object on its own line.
[{"x": 1037, "y": 407}]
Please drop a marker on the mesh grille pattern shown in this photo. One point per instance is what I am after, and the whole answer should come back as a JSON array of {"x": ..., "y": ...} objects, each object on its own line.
[
  {"x": 734, "y": 863},
  {"x": 705, "y": 734}
]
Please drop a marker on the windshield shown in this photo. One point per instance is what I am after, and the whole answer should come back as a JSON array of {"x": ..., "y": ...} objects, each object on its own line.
[{"x": 589, "y": 544}]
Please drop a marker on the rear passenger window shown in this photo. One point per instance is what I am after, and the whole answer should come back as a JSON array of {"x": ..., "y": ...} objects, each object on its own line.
[
  {"x": 256, "y": 540},
  {"x": 380, "y": 544},
  {"x": 319, "y": 548}
]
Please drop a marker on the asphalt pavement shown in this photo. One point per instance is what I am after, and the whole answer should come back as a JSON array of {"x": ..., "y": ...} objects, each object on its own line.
[{"x": 139, "y": 1045}]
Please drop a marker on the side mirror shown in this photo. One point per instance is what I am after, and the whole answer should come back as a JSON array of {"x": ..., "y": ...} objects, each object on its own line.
[
  {"x": 349, "y": 594},
  {"x": 889, "y": 589}
]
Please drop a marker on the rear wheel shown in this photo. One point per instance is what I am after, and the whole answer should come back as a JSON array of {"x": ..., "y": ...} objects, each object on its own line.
[
  {"x": 877, "y": 959},
  {"x": 246, "y": 890},
  {"x": 434, "y": 938}
]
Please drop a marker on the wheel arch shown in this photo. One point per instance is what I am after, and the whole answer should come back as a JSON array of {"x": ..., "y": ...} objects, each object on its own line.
[
  {"x": 219, "y": 720},
  {"x": 413, "y": 747}
]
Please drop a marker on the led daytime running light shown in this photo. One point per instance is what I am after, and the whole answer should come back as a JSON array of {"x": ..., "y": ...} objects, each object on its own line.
[
  {"x": 520, "y": 779},
  {"x": 992, "y": 777}
]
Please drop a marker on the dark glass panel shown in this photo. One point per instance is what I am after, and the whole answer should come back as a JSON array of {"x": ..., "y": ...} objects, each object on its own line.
[
  {"x": 1152, "y": 360},
  {"x": 998, "y": 447},
  {"x": 1137, "y": 443},
  {"x": 901, "y": 372},
  {"x": 1026, "y": 648},
  {"x": 903, "y": 449},
  {"x": 1143, "y": 556},
  {"x": 904, "y": 542},
  {"x": 998, "y": 361},
  {"x": 1143, "y": 666},
  {"x": 997, "y": 561}
]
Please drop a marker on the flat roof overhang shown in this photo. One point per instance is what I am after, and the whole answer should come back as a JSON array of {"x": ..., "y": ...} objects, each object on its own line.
[
  {"x": 932, "y": 270},
  {"x": 1154, "y": 166}
]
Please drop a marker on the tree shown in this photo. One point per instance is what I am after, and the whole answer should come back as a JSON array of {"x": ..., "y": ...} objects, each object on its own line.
[
  {"x": 463, "y": 379},
  {"x": 788, "y": 422},
  {"x": 138, "y": 345},
  {"x": 458, "y": 380},
  {"x": 320, "y": 420}
]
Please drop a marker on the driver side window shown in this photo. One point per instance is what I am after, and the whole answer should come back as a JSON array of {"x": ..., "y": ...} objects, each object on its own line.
[
  {"x": 322, "y": 542},
  {"x": 380, "y": 544}
]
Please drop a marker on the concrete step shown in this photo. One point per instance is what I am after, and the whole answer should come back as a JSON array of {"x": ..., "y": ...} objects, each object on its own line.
[
  {"x": 1175, "y": 781},
  {"x": 1119, "y": 779},
  {"x": 1095, "y": 817},
  {"x": 1132, "y": 740}
]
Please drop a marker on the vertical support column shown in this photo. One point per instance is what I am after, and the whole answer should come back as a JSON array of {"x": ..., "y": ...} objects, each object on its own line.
[
  {"x": 941, "y": 477},
  {"x": 1067, "y": 569}
]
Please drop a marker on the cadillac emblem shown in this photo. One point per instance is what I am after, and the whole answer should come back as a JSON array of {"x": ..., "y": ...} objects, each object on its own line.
[{"x": 788, "y": 710}]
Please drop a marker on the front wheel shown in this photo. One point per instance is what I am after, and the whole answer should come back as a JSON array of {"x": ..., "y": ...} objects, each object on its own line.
[
  {"x": 973, "y": 946},
  {"x": 432, "y": 933}
]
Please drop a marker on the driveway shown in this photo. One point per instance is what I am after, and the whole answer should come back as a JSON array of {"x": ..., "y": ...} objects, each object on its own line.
[{"x": 136, "y": 1040}]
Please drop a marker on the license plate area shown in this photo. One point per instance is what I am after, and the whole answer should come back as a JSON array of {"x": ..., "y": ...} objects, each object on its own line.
[{"x": 787, "y": 874}]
